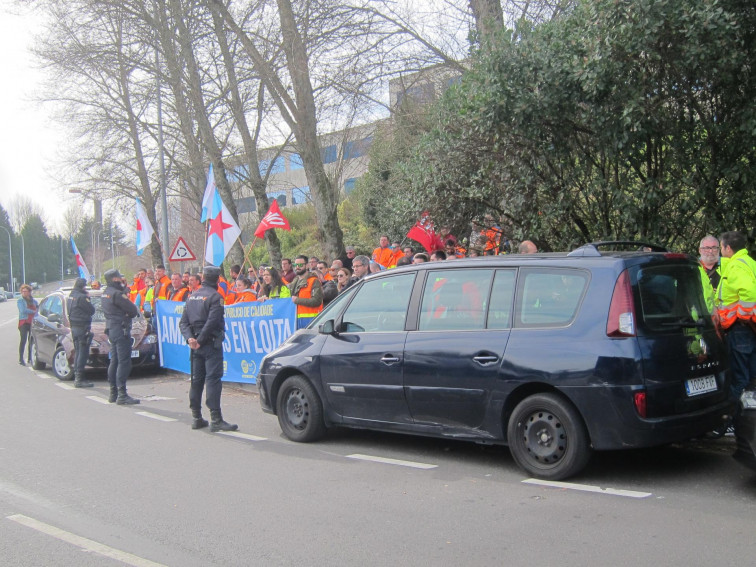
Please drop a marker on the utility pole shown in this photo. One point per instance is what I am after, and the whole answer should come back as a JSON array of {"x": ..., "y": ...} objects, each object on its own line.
[{"x": 10, "y": 257}]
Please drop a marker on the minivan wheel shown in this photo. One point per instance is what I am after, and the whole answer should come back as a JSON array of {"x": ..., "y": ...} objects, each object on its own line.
[
  {"x": 300, "y": 411},
  {"x": 37, "y": 364},
  {"x": 60, "y": 366},
  {"x": 547, "y": 437}
]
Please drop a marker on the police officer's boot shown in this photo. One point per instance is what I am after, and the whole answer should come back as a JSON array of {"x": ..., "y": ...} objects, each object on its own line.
[
  {"x": 79, "y": 381},
  {"x": 113, "y": 395},
  {"x": 217, "y": 423},
  {"x": 124, "y": 399},
  {"x": 198, "y": 422}
]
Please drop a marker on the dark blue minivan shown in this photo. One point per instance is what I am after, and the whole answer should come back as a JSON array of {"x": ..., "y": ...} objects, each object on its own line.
[{"x": 554, "y": 355}]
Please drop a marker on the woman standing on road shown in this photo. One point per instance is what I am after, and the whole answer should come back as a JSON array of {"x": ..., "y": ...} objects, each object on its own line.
[{"x": 27, "y": 308}]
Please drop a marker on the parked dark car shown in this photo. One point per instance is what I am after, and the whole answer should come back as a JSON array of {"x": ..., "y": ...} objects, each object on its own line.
[
  {"x": 745, "y": 429},
  {"x": 52, "y": 343},
  {"x": 555, "y": 355}
]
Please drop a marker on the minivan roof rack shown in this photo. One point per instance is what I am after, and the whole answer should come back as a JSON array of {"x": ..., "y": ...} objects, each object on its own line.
[{"x": 592, "y": 248}]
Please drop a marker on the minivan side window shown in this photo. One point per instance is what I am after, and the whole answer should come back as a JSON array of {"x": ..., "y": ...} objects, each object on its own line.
[
  {"x": 380, "y": 305},
  {"x": 55, "y": 305},
  {"x": 670, "y": 293},
  {"x": 455, "y": 300},
  {"x": 44, "y": 307},
  {"x": 502, "y": 293},
  {"x": 550, "y": 298}
]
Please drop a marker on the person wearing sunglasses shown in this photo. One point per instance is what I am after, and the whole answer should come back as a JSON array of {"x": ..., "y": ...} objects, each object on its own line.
[{"x": 306, "y": 292}]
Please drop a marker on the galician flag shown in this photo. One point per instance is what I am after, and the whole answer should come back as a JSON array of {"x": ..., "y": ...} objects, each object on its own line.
[
  {"x": 222, "y": 232},
  {"x": 83, "y": 272},
  {"x": 207, "y": 198},
  {"x": 144, "y": 230}
]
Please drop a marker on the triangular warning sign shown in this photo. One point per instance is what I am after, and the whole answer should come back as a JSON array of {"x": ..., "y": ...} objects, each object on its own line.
[{"x": 181, "y": 252}]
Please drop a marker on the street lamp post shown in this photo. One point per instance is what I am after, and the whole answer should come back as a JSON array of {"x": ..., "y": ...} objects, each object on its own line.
[
  {"x": 10, "y": 257},
  {"x": 23, "y": 260}
]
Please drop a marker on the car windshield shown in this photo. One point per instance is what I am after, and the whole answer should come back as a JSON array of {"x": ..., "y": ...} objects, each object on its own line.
[
  {"x": 671, "y": 294},
  {"x": 98, "y": 316}
]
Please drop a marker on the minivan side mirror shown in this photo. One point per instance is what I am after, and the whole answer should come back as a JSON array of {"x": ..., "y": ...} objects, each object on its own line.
[
  {"x": 53, "y": 318},
  {"x": 327, "y": 328}
]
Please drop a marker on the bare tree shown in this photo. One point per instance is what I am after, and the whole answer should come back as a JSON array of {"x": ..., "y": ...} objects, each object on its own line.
[{"x": 21, "y": 209}]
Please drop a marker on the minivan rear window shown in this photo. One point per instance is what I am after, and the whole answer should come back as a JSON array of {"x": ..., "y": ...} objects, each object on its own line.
[
  {"x": 550, "y": 298},
  {"x": 670, "y": 294}
]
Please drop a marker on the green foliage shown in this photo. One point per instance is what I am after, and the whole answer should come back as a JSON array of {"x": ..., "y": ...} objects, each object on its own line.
[{"x": 623, "y": 119}]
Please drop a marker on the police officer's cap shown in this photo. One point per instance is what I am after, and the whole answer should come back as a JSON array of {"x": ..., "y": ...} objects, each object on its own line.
[
  {"x": 110, "y": 275},
  {"x": 211, "y": 274},
  {"x": 80, "y": 283}
]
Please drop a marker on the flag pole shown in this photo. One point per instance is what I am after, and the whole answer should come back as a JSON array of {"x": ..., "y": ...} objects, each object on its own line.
[{"x": 247, "y": 253}]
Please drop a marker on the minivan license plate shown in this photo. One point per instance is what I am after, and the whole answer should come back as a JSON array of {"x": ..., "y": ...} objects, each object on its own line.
[
  {"x": 696, "y": 386},
  {"x": 134, "y": 354}
]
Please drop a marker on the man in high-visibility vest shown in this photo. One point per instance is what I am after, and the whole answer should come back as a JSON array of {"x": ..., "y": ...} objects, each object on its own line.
[
  {"x": 162, "y": 282},
  {"x": 306, "y": 292},
  {"x": 735, "y": 309}
]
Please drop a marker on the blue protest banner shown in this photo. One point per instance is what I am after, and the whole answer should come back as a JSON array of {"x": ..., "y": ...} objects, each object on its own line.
[{"x": 252, "y": 331}]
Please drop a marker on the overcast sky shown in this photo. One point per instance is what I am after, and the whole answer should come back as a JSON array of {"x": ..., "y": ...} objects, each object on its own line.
[{"x": 28, "y": 139}]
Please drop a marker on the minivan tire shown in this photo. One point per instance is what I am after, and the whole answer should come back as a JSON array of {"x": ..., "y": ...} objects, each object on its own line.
[
  {"x": 547, "y": 437},
  {"x": 60, "y": 366},
  {"x": 300, "y": 410}
]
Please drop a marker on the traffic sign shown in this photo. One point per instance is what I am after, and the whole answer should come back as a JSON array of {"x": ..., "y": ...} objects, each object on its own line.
[{"x": 181, "y": 252}]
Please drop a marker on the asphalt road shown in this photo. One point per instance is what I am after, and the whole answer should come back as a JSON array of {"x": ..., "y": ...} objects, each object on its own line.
[{"x": 84, "y": 482}]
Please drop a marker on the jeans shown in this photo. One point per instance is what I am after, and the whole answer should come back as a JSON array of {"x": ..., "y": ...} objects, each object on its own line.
[
  {"x": 207, "y": 370},
  {"x": 120, "y": 358},
  {"x": 741, "y": 341},
  {"x": 82, "y": 338},
  {"x": 24, "y": 329}
]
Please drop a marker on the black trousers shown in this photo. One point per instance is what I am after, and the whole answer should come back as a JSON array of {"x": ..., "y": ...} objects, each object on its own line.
[
  {"x": 120, "y": 358},
  {"x": 82, "y": 338},
  {"x": 207, "y": 371}
]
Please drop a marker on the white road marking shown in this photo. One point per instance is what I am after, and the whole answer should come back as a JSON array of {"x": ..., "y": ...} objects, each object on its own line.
[
  {"x": 13, "y": 320},
  {"x": 588, "y": 488},
  {"x": 152, "y": 398},
  {"x": 84, "y": 543},
  {"x": 388, "y": 461},
  {"x": 246, "y": 436},
  {"x": 155, "y": 416},
  {"x": 64, "y": 386},
  {"x": 99, "y": 400}
]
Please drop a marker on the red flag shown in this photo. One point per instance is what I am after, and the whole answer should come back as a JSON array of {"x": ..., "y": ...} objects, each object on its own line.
[
  {"x": 272, "y": 219},
  {"x": 425, "y": 234}
]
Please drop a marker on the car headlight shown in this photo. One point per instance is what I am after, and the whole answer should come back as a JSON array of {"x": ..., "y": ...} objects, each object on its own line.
[
  {"x": 149, "y": 340},
  {"x": 748, "y": 399}
]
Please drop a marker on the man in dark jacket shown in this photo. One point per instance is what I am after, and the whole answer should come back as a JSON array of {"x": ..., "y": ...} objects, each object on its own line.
[
  {"x": 80, "y": 311},
  {"x": 203, "y": 327},
  {"x": 119, "y": 312}
]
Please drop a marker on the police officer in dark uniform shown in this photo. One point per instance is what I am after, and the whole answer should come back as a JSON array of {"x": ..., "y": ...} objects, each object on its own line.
[
  {"x": 119, "y": 312},
  {"x": 203, "y": 327},
  {"x": 80, "y": 311}
]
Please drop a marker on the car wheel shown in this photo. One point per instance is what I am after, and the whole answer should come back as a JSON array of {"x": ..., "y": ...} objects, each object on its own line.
[
  {"x": 547, "y": 437},
  {"x": 37, "y": 364},
  {"x": 60, "y": 366},
  {"x": 300, "y": 411}
]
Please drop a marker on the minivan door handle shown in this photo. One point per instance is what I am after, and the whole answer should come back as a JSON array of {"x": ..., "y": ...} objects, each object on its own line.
[
  {"x": 485, "y": 359},
  {"x": 389, "y": 359}
]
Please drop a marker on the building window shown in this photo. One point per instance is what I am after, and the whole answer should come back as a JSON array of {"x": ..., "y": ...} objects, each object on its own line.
[
  {"x": 295, "y": 162},
  {"x": 300, "y": 195},
  {"x": 279, "y": 196},
  {"x": 329, "y": 154},
  {"x": 357, "y": 148},
  {"x": 246, "y": 205},
  {"x": 239, "y": 173},
  {"x": 279, "y": 165},
  {"x": 349, "y": 185}
]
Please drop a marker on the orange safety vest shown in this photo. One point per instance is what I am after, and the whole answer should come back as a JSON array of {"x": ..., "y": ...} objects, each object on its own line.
[
  {"x": 246, "y": 295},
  {"x": 135, "y": 288},
  {"x": 223, "y": 287},
  {"x": 306, "y": 292},
  {"x": 161, "y": 287},
  {"x": 179, "y": 294},
  {"x": 231, "y": 298},
  {"x": 384, "y": 256}
]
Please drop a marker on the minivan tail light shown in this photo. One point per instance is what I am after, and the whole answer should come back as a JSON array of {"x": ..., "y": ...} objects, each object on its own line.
[
  {"x": 621, "y": 322},
  {"x": 639, "y": 399}
]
